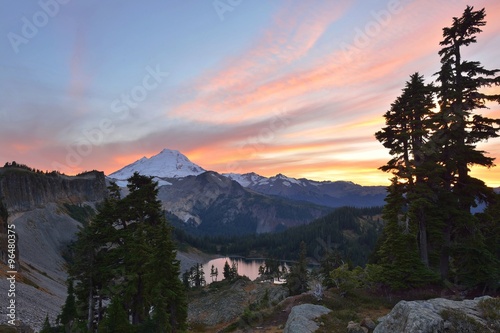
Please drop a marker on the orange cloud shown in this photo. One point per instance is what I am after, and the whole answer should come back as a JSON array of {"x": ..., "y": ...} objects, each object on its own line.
[{"x": 128, "y": 158}]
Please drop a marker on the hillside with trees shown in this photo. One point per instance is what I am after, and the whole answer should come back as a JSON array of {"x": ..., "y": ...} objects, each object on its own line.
[{"x": 352, "y": 232}]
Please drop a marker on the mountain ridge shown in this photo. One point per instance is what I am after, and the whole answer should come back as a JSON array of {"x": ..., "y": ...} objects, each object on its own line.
[
  {"x": 22, "y": 189},
  {"x": 324, "y": 193},
  {"x": 216, "y": 205}
]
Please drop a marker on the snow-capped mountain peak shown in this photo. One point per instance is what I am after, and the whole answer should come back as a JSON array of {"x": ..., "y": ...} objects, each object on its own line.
[
  {"x": 252, "y": 179},
  {"x": 167, "y": 164},
  {"x": 287, "y": 181},
  {"x": 246, "y": 179}
]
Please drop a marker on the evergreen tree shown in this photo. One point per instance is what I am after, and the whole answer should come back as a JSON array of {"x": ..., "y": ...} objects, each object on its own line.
[
  {"x": 490, "y": 230},
  {"x": 186, "y": 279},
  {"x": 328, "y": 263},
  {"x": 234, "y": 270},
  {"x": 46, "y": 328},
  {"x": 227, "y": 272},
  {"x": 126, "y": 255},
  {"x": 214, "y": 272},
  {"x": 296, "y": 280},
  {"x": 407, "y": 131},
  {"x": 459, "y": 129},
  {"x": 200, "y": 275},
  {"x": 68, "y": 313},
  {"x": 95, "y": 262},
  {"x": 408, "y": 128},
  {"x": 195, "y": 276},
  {"x": 140, "y": 214},
  {"x": 163, "y": 286},
  {"x": 116, "y": 319},
  {"x": 402, "y": 267},
  {"x": 134, "y": 253},
  {"x": 430, "y": 199},
  {"x": 271, "y": 269},
  {"x": 82, "y": 270}
]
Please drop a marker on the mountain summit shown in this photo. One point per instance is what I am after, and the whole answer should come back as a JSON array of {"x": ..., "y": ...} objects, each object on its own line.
[{"x": 167, "y": 164}]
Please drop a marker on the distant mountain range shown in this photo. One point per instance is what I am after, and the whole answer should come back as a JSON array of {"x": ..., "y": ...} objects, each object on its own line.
[
  {"x": 326, "y": 193},
  {"x": 216, "y": 205},
  {"x": 243, "y": 203}
]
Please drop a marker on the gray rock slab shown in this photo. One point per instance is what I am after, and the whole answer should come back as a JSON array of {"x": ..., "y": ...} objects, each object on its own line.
[
  {"x": 425, "y": 316},
  {"x": 301, "y": 318}
]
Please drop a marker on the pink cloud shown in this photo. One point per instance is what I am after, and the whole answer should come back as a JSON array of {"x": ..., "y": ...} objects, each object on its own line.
[{"x": 294, "y": 31}]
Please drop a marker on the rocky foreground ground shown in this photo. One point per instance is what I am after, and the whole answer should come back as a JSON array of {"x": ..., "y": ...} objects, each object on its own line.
[
  {"x": 251, "y": 306},
  {"x": 237, "y": 304},
  {"x": 246, "y": 306}
]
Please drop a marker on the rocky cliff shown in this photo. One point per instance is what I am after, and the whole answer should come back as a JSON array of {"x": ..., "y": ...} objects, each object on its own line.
[{"x": 23, "y": 190}]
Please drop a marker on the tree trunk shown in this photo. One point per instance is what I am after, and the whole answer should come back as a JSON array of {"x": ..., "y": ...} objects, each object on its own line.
[
  {"x": 90, "y": 318},
  {"x": 424, "y": 253},
  {"x": 444, "y": 265},
  {"x": 138, "y": 316}
]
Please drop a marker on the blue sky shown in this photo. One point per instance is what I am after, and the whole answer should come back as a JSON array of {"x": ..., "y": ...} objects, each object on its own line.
[{"x": 270, "y": 86}]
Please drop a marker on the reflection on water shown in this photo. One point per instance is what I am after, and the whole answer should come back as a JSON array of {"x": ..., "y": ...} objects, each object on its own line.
[{"x": 247, "y": 267}]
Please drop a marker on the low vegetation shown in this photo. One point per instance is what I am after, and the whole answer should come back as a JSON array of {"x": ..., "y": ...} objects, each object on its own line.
[
  {"x": 461, "y": 323},
  {"x": 80, "y": 213},
  {"x": 7, "y": 329},
  {"x": 490, "y": 309}
]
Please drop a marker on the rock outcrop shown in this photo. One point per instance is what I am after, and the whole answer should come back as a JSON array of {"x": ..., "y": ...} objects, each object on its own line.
[
  {"x": 215, "y": 306},
  {"x": 22, "y": 190},
  {"x": 439, "y": 316},
  {"x": 301, "y": 318}
]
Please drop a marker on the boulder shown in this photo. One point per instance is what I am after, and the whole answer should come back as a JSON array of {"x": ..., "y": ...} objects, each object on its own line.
[
  {"x": 353, "y": 327},
  {"x": 368, "y": 323},
  {"x": 301, "y": 318},
  {"x": 427, "y": 316}
]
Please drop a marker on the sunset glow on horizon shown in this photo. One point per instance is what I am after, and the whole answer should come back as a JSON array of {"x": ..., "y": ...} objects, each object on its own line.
[{"x": 284, "y": 86}]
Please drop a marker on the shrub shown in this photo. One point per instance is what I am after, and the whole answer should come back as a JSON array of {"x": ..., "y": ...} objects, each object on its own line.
[{"x": 348, "y": 280}]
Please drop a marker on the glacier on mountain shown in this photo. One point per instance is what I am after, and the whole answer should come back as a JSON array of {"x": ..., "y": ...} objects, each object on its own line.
[{"x": 167, "y": 164}]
